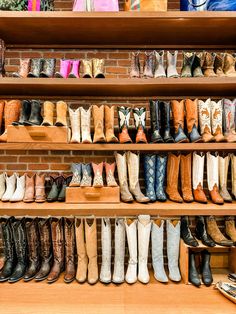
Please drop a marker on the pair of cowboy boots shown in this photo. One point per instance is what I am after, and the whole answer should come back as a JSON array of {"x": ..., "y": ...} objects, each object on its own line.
[
  {"x": 68, "y": 69},
  {"x": 34, "y": 188},
  {"x": 80, "y": 121},
  {"x": 58, "y": 188},
  {"x": 204, "y": 268},
  {"x": 12, "y": 187},
  {"x": 215, "y": 233},
  {"x": 192, "y": 62},
  {"x": 11, "y": 111},
  {"x": 30, "y": 113},
  {"x": 221, "y": 65},
  {"x": 61, "y": 113},
  {"x": 98, "y": 174},
  {"x": 93, "y": 68},
  {"x": 36, "y": 68}
]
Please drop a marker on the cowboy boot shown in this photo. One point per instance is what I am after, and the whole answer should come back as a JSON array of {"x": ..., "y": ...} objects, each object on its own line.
[
  {"x": 85, "y": 125},
  {"x": 164, "y": 107},
  {"x": 19, "y": 193},
  {"x": 35, "y": 67},
  {"x": 2, "y": 184},
  {"x": 150, "y": 176},
  {"x": 135, "y": 65},
  {"x": 208, "y": 64},
  {"x": 2, "y": 58},
  {"x": 65, "y": 66},
  {"x": 197, "y": 65},
  {"x": 161, "y": 163},
  {"x": 98, "y": 68},
  {"x": 198, "y": 172},
  {"x": 186, "y": 233},
  {"x": 2, "y": 105},
  {"x": 66, "y": 179},
  {"x": 171, "y": 64},
  {"x": 61, "y": 114},
  {"x": 121, "y": 163},
  {"x": 230, "y": 229},
  {"x": 91, "y": 248},
  {"x": 48, "y": 109},
  {"x": 98, "y": 120},
  {"x": 76, "y": 169},
  {"x": 148, "y": 65},
  {"x": 69, "y": 250},
  {"x": 217, "y": 120},
  {"x": 55, "y": 188},
  {"x": 219, "y": 65},
  {"x": 192, "y": 120},
  {"x": 178, "y": 117},
  {"x": 131, "y": 232},
  {"x": 229, "y": 65},
  {"x": 193, "y": 276},
  {"x": 229, "y": 120},
  {"x": 98, "y": 171},
  {"x": 140, "y": 124},
  {"x": 159, "y": 69},
  {"x": 74, "y": 73},
  {"x": 29, "y": 188},
  {"x": 2, "y": 245},
  {"x": 48, "y": 68},
  {"x": 201, "y": 232},
  {"x": 58, "y": 249},
  {"x": 206, "y": 268},
  {"x": 213, "y": 178},
  {"x": 133, "y": 169},
  {"x": 45, "y": 249},
  {"x": 215, "y": 233},
  {"x": 11, "y": 114},
  {"x": 119, "y": 259},
  {"x": 75, "y": 124},
  {"x": 233, "y": 174},
  {"x": 188, "y": 59},
  {"x": 86, "y": 175},
  {"x": 23, "y": 68},
  {"x": 204, "y": 109},
  {"x": 32, "y": 234},
  {"x": 223, "y": 171},
  {"x": 105, "y": 274},
  {"x": 110, "y": 169},
  {"x": 155, "y": 117},
  {"x": 172, "y": 178},
  {"x": 144, "y": 230},
  {"x": 157, "y": 237},
  {"x": 40, "y": 195},
  {"x": 81, "y": 274},
  {"x": 186, "y": 177},
  {"x": 25, "y": 111},
  {"x": 173, "y": 241},
  {"x": 109, "y": 125},
  {"x": 87, "y": 68},
  {"x": 35, "y": 114},
  {"x": 10, "y": 187},
  {"x": 123, "y": 118}
]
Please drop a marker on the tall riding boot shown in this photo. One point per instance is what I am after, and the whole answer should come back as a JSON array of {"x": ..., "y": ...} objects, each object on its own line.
[
  {"x": 193, "y": 276},
  {"x": 155, "y": 116},
  {"x": 208, "y": 64},
  {"x": 98, "y": 120},
  {"x": 198, "y": 173},
  {"x": 144, "y": 230},
  {"x": 150, "y": 176},
  {"x": 69, "y": 250},
  {"x": 171, "y": 64},
  {"x": 2, "y": 246},
  {"x": 233, "y": 174},
  {"x": 48, "y": 68},
  {"x": 157, "y": 236},
  {"x": 230, "y": 229},
  {"x": 219, "y": 65},
  {"x": 119, "y": 259},
  {"x": 206, "y": 268},
  {"x": 197, "y": 65},
  {"x": 204, "y": 109},
  {"x": 165, "y": 121},
  {"x": 25, "y": 112},
  {"x": 23, "y": 68},
  {"x": 61, "y": 114},
  {"x": 223, "y": 170},
  {"x": 20, "y": 241},
  {"x": 186, "y": 233},
  {"x": 133, "y": 169},
  {"x": 215, "y": 233},
  {"x": 188, "y": 59},
  {"x": 91, "y": 248},
  {"x": 178, "y": 117},
  {"x": 105, "y": 274},
  {"x": 58, "y": 249},
  {"x": 160, "y": 69},
  {"x": 40, "y": 195},
  {"x": 2, "y": 58},
  {"x": 86, "y": 179},
  {"x": 110, "y": 170},
  {"x": 186, "y": 177},
  {"x": 65, "y": 66},
  {"x": 32, "y": 234},
  {"x": 35, "y": 115},
  {"x": 161, "y": 165},
  {"x": 98, "y": 68},
  {"x": 229, "y": 65},
  {"x": 121, "y": 163},
  {"x": 192, "y": 120},
  {"x": 201, "y": 232},
  {"x": 173, "y": 240},
  {"x": 124, "y": 117},
  {"x": 172, "y": 178},
  {"x": 213, "y": 178},
  {"x": 148, "y": 68},
  {"x": 20, "y": 189},
  {"x": 86, "y": 125},
  {"x": 11, "y": 114},
  {"x": 140, "y": 124},
  {"x": 45, "y": 249},
  {"x": 98, "y": 175},
  {"x": 131, "y": 232},
  {"x": 109, "y": 125},
  {"x": 229, "y": 120},
  {"x": 217, "y": 120},
  {"x": 29, "y": 189},
  {"x": 81, "y": 274},
  {"x": 48, "y": 109},
  {"x": 35, "y": 67},
  {"x": 135, "y": 65},
  {"x": 74, "y": 73},
  {"x": 75, "y": 125},
  {"x": 10, "y": 187}
]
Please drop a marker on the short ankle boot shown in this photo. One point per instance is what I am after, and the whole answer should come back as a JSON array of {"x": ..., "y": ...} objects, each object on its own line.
[
  {"x": 19, "y": 193},
  {"x": 87, "y": 68},
  {"x": 229, "y": 65},
  {"x": 219, "y": 65},
  {"x": 206, "y": 268},
  {"x": 36, "y": 67},
  {"x": 208, "y": 64},
  {"x": 48, "y": 68},
  {"x": 204, "y": 109},
  {"x": 165, "y": 119},
  {"x": 105, "y": 273},
  {"x": 86, "y": 125},
  {"x": 25, "y": 112},
  {"x": 173, "y": 242},
  {"x": 223, "y": 172},
  {"x": 217, "y": 120},
  {"x": 155, "y": 117},
  {"x": 161, "y": 166},
  {"x": 10, "y": 187},
  {"x": 74, "y": 73},
  {"x": 213, "y": 178},
  {"x": 192, "y": 120},
  {"x": 150, "y": 176},
  {"x": 197, "y": 179},
  {"x": 75, "y": 125},
  {"x": 35, "y": 115},
  {"x": 194, "y": 277},
  {"x": 186, "y": 233},
  {"x": 66, "y": 179},
  {"x": 2, "y": 58},
  {"x": 131, "y": 233},
  {"x": 98, "y": 68},
  {"x": 110, "y": 170},
  {"x": 23, "y": 68},
  {"x": 215, "y": 233},
  {"x": 171, "y": 64},
  {"x": 186, "y": 177},
  {"x": 144, "y": 231},
  {"x": 172, "y": 178},
  {"x": 160, "y": 69},
  {"x": 148, "y": 65},
  {"x": 11, "y": 114},
  {"x": 40, "y": 195},
  {"x": 201, "y": 232},
  {"x": 86, "y": 179},
  {"x": 119, "y": 258},
  {"x": 197, "y": 65},
  {"x": 82, "y": 265},
  {"x": 91, "y": 249},
  {"x": 123, "y": 118},
  {"x": 178, "y": 117},
  {"x": 98, "y": 175},
  {"x": 229, "y": 120},
  {"x": 140, "y": 124},
  {"x": 76, "y": 169},
  {"x": 48, "y": 112},
  {"x": 61, "y": 108},
  {"x": 65, "y": 66},
  {"x": 98, "y": 119},
  {"x": 55, "y": 188},
  {"x": 69, "y": 250},
  {"x": 188, "y": 59},
  {"x": 109, "y": 124},
  {"x": 29, "y": 188},
  {"x": 135, "y": 65},
  {"x": 230, "y": 229}
]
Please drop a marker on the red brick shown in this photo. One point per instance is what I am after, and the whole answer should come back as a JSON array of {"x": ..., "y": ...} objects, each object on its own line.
[
  {"x": 118, "y": 55},
  {"x": 51, "y": 159},
  {"x": 16, "y": 152},
  {"x": 28, "y": 159},
  {"x": 73, "y": 159},
  {"x": 60, "y": 167},
  {"x": 38, "y": 166},
  {"x": 8, "y": 159},
  {"x": 17, "y": 167},
  {"x": 117, "y": 70}
]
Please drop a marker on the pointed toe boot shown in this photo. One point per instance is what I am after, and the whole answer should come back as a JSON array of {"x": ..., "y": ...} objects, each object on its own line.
[
  {"x": 105, "y": 273},
  {"x": 155, "y": 117},
  {"x": 140, "y": 124},
  {"x": 186, "y": 233},
  {"x": 173, "y": 243},
  {"x": 215, "y": 233},
  {"x": 178, "y": 118},
  {"x": 91, "y": 249},
  {"x": 230, "y": 229},
  {"x": 119, "y": 259},
  {"x": 194, "y": 277},
  {"x": 124, "y": 119},
  {"x": 201, "y": 232},
  {"x": 172, "y": 178},
  {"x": 188, "y": 59},
  {"x": 206, "y": 268},
  {"x": 135, "y": 65}
]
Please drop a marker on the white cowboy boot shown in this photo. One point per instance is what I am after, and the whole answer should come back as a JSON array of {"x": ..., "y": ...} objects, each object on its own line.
[
  {"x": 233, "y": 174},
  {"x": 223, "y": 170},
  {"x": 105, "y": 274},
  {"x": 160, "y": 69},
  {"x": 10, "y": 187},
  {"x": 119, "y": 272},
  {"x": 2, "y": 184},
  {"x": 173, "y": 240},
  {"x": 198, "y": 172},
  {"x": 121, "y": 164},
  {"x": 157, "y": 237},
  {"x": 213, "y": 178},
  {"x": 217, "y": 120},
  {"x": 171, "y": 64},
  {"x": 144, "y": 230},
  {"x": 204, "y": 109},
  {"x": 20, "y": 189},
  {"x": 75, "y": 125},
  {"x": 131, "y": 232},
  {"x": 86, "y": 125}
]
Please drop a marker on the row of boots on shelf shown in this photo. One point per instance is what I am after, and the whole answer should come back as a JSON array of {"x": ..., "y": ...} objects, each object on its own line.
[{"x": 39, "y": 248}]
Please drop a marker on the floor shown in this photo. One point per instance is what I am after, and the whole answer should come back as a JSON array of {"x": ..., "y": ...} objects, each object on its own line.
[{"x": 60, "y": 298}]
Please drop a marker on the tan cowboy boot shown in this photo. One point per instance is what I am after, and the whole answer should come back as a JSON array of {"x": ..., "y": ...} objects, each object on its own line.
[
  {"x": 11, "y": 114},
  {"x": 29, "y": 188},
  {"x": 229, "y": 65},
  {"x": 215, "y": 233},
  {"x": 217, "y": 120},
  {"x": 219, "y": 65},
  {"x": 61, "y": 114},
  {"x": 98, "y": 68},
  {"x": 98, "y": 119},
  {"x": 172, "y": 178},
  {"x": 213, "y": 178},
  {"x": 223, "y": 171},
  {"x": 109, "y": 125},
  {"x": 91, "y": 248},
  {"x": 178, "y": 118},
  {"x": 40, "y": 196},
  {"x": 23, "y": 69},
  {"x": 230, "y": 229},
  {"x": 186, "y": 178},
  {"x": 81, "y": 274},
  {"x": 208, "y": 64},
  {"x": 204, "y": 109},
  {"x": 48, "y": 109}
]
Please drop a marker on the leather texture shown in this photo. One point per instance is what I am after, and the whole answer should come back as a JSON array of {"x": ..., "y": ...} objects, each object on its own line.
[
  {"x": 91, "y": 248},
  {"x": 144, "y": 231},
  {"x": 2, "y": 58},
  {"x": 197, "y": 65},
  {"x": 191, "y": 107},
  {"x": 86, "y": 179},
  {"x": 233, "y": 174},
  {"x": 87, "y": 68},
  {"x": 188, "y": 59},
  {"x": 194, "y": 277},
  {"x": 82, "y": 264},
  {"x": 230, "y": 229},
  {"x": 208, "y": 64},
  {"x": 124, "y": 118},
  {"x": 105, "y": 273},
  {"x": 19, "y": 192},
  {"x": 159, "y": 64},
  {"x": 2, "y": 105},
  {"x": 86, "y": 125},
  {"x": 213, "y": 178},
  {"x": 121, "y": 162},
  {"x": 98, "y": 175},
  {"x": 109, "y": 124},
  {"x": 217, "y": 120},
  {"x": 140, "y": 124},
  {"x": 229, "y": 120},
  {"x": 25, "y": 112},
  {"x": 172, "y": 178},
  {"x": 10, "y": 187},
  {"x": 35, "y": 114},
  {"x": 61, "y": 108},
  {"x": 55, "y": 188},
  {"x": 2, "y": 184},
  {"x": 48, "y": 68},
  {"x": 2, "y": 246},
  {"x": 65, "y": 66},
  {"x": 98, "y": 120},
  {"x": 135, "y": 65},
  {"x": 40, "y": 195},
  {"x": 110, "y": 170},
  {"x": 219, "y": 64},
  {"x": 98, "y": 68},
  {"x": 201, "y": 232},
  {"x": 164, "y": 107},
  {"x": 186, "y": 233},
  {"x": 119, "y": 259},
  {"x": 197, "y": 179},
  {"x": 223, "y": 173},
  {"x": 150, "y": 176},
  {"x": 229, "y": 65},
  {"x": 206, "y": 268},
  {"x": 74, "y": 71},
  {"x": 155, "y": 117},
  {"x": 178, "y": 120},
  {"x": 173, "y": 241},
  {"x": 36, "y": 67},
  {"x": 171, "y": 64},
  {"x": 215, "y": 233},
  {"x": 161, "y": 167},
  {"x": 75, "y": 125},
  {"x": 186, "y": 177},
  {"x": 48, "y": 112},
  {"x": 11, "y": 114},
  {"x": 131, "y": 233},
  {"x": 76, "y": 169},
  {"x": 69, "y": 250},
  {"x": 29, "y": 188},
  {"x": 204, "y": 109}
]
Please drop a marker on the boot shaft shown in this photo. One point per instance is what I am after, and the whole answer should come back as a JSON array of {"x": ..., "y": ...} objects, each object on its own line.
[
  {"x": 74, "y": 73},
  {"x": 160, "y": 67},
  {"x": 229, "y": 115},
  {"x": 35, "y": 115},
  {"x": 32, "y": 234},
  {"x": 197, "y": 65},
  {"x": 65, "y": 66},
  {"x": 109, "y": 124},
  {"x": 61, "y": 108},
  {"x": 98, "y": 68},
  {"x": 20, "y": 241},
  {"x": 23, "y": 68},
  {"x": 80, "y": 238},
  {"x": 135, "y": 65},
  {"x": 229, "y": 65},
  {"x": 98, "y": 120},
  {"x": 208, "y": 64},
  {"x": 191, "y": 114},
  {"x": 2, "y": 58},
  {"x": 29, "y": 186},
  {"x": 48, "y": 112},
  {"x": 217, "y": 117},
  {"x": 148, "y": 65},
  {"x": 110, "y": 170},
  {"x": 98, "y": 174},
  {"x": 45, "y": 238},
  {"x": 69, "y": 240},
  {"x": 36, "y": 67},
  {"x": 75, "y": 124},
  {"x": 204, "y": 109},
  {"x": 87, "y": 68},
  {"x": 186, "y": 176},
  {"x": 11, "y": 112},
  {"x": 25, "y": 112},
  {"x": 173, "y": 171},
  {"x": 171, "y": 64},
  {"x": 188, "y": 59},
  {"x": 91, "y": 237},
  {"x": 86, "y": 175},
  {"x": 86, "y": 125},
  {"x": 131, "y": 233},
  {"x": 219, "y": 64},
  {"x": 40, "y": 186},
  {"x": 57, "y": 239},
  {"x": 48, "y": 68},
  {"x": 8, "y": 240},
  {"x": 144, "y": 230}
]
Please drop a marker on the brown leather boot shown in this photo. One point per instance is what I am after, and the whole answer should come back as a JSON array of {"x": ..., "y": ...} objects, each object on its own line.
[
  {"x": 61, "y": 113},
  {"x": 186, "y": 178},
  {"x": 2, "y": 253},
  {"x": 198, "y": 173},
  {"x": 2, "y": 105},
  {"x": 91, "y": 248},
  {"x": 58, "y": 249},
  {"x": 208, "y": 64},
  {"x": 178, "y": 118},
  {"x": 219, "y": 65},
  {"x": 213, "y": 178},
  {"x": 229, "y": 65},
  {"x": 40, "y": 196},
  {"x": 98, "y": 120},
  {"x": 81, "y": 274},
  {"x": 23, "y": 69},
  {"x": 230, "y": 229},
  {"x": 48, "y": 109},
  {"x": 29, "y": 188},
  {"x": 109, "y": 125},
  {"x": 11, "y": 114},
  {"x": 70, "y": 250},
  {"x": 135, "y": 65},
  {"x": 172, "y": 178},
  {"x": 215, "y": 233},
  {"x": 192, "y": 120}
]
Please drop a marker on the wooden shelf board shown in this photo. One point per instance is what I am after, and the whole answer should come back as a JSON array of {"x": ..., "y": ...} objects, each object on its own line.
[{"x": 154, "y": 29}]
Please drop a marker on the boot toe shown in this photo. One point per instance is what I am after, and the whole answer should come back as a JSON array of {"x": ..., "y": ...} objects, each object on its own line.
[
  {"x": 195, "y": 281},
  {"x": 226, "y": 243}
]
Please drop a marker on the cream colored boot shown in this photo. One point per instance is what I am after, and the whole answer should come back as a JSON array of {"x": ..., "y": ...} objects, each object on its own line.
[
  {"x": 229, "y": 120},
  {"x": 20, "y": 189},
  {"x": 48, "y": 109},
  {"x": 213, "y": 178},
  {"x": 75, "y": 125},
  {"x": 223, "y": 171},
  {"x": 119, "y": 260},
  {"x": 10, "y": 187},
  {"x": 2, "y": 184},
  {"x": 217, "y": 120},
  {"x": 81, "y": 274},
  {"x": 204, "y": 109},
  {"x": 131, "y": 232},
  {"x": 229, "y": 65},
  {"x": 105, "y": 274},
  {"x": 91, "y": 248},
  {"x": 86, "y": 125},
  {"x": 144, "y": 230},
  {"x": 233, "y": 174},
  {"x": 198, "y": 173},
  {"x": 61, "y": 114}
]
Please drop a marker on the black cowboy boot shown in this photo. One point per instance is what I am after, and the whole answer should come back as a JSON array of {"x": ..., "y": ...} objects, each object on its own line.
[
  {"x": 48, "y": 68},
  {"x": 197, "y": 65},
  {"x": 194, "y": 277},
  {"x": 35, "y": 115},
  {"x": 24, "y": 113},
  {"x": 155, "y": 122},
  {"x": 62, "y": 193},
  {"x": 186, "y": 234},
  {"x": 165, "y": 121},
  {"x": 206, "y": 268},
  {"x": 36, "y": 67},
  {"x": 201, "y": 233},
  {"x": 188, "y": 58},
  {"x": 57, "y": 183}
]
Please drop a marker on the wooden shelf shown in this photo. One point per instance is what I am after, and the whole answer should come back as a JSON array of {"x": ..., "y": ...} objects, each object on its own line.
[
  {"x": 152, "y": 29},
  {"x": 166, "y": 209},
  {"x": 86, "y": 88}
]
